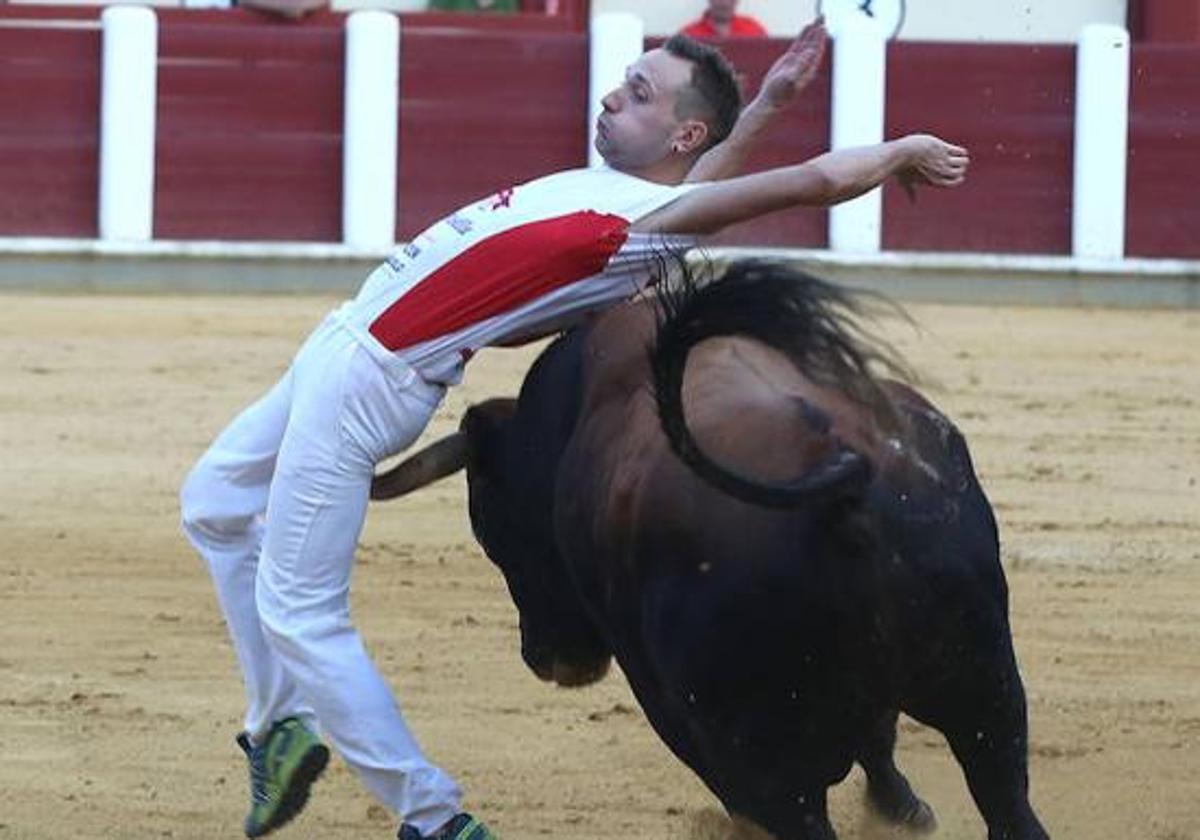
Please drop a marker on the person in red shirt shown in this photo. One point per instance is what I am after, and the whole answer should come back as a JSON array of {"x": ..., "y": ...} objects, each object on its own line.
[{"x": 721, "y": 20}]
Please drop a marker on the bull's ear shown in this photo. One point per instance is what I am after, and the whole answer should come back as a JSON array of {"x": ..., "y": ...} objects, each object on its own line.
[
  {"x": 484, "y": 425},
  {"x": 489, "y": 414}
]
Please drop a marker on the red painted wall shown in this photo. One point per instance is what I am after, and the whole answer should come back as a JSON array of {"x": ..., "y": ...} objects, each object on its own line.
[
  {"x": 249, "y": 127},
  {"x": 1013, "y": 107},
  {"x": 49, "y": 121},
  {"x": 1163, "y": 199},
  {"x": 250, "y": 121},
  {"x": 1165, "y": 21},
  {"x": 485, "y": 109}
]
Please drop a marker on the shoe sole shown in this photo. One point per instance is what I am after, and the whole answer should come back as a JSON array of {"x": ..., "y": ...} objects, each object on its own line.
[{"x": 296, "y": 796}]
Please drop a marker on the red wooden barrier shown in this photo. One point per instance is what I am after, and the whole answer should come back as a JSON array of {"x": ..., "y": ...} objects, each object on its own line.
[
  {"x": 1162, "y": 21},
  {"x": 1163, "y": 206},
  {"x": 1013, "y": 107},
  {"x": 49, "y": 121},
  {"x": 484, "y": 109},
  {"x": 250, "y": 121},
  {"x": 249, "y": 127}
]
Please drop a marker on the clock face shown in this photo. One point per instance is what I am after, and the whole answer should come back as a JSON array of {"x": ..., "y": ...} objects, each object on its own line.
[{"x": 889, "y": 14}]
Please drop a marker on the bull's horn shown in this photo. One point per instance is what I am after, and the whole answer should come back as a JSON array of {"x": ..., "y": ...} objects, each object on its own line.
[{"x": 436, "y": 461}]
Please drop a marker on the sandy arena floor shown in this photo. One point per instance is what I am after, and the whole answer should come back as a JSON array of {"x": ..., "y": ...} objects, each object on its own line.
[{"x": 119, "y": 696}]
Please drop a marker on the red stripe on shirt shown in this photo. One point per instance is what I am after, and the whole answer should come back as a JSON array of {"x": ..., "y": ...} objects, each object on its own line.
[{"x": 499, "y": 274}]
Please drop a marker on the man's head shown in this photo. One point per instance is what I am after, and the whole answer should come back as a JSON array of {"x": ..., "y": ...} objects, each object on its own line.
[
  {"x": 722, "y": 11},
  {"x": 676, "y": 102}
]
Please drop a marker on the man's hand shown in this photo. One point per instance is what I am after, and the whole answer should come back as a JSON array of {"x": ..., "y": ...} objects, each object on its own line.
[
  {"x": 795, "y": 69},
  {"x": 789, "y": 75},
  {"x": 931, "y": 162}
]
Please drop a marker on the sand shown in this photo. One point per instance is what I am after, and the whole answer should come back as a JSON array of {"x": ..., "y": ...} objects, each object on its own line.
[{"x": 119, "y": 696}]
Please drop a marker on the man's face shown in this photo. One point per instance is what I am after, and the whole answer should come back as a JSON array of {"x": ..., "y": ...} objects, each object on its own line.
[
  {"x": 722, "y": 11},
  {"x": 639, "y": 124}
]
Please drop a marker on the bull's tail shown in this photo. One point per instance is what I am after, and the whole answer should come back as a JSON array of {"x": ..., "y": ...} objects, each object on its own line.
[{"x": 814, "y": 323}]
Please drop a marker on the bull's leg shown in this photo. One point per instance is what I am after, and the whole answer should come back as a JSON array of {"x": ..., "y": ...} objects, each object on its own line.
[
  {"x": 888, "y": 790},
  {"x": 992, "y": 752},
  {"x": 803, "y": 817},
  {"x": 984, "y": 719}
]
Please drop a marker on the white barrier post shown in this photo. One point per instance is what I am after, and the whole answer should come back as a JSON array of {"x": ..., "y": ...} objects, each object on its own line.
[
  {"x": 370, "y": 129},
  {"x": 128, "y": 105},
  {"x": 859, "y": 76},
  {"x": 615, "y": 42},
  {"x": 1101, "y": 141}
]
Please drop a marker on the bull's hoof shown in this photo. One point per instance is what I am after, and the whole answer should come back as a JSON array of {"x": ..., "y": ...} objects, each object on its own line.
[
  {"x": 910, "y": 813},
  {"x": 921, "y": 820}
]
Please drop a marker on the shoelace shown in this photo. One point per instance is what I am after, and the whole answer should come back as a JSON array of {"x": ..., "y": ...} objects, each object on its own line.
[
  {"x": 258, "y": 771},
  {"x": 258, "y": 775}
]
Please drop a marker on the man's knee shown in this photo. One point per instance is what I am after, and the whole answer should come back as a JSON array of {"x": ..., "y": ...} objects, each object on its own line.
[
  {"x": 293, "y": 622},
  {"x": 207, "y": 509}
]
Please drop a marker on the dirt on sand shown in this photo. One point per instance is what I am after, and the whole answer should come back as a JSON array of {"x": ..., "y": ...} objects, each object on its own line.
[{"x": 119, "y": 695}]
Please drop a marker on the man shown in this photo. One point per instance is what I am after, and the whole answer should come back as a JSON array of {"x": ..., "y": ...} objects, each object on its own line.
[
  {"x": 721, "y": 20},
  {"x": 276, "y": 504}
]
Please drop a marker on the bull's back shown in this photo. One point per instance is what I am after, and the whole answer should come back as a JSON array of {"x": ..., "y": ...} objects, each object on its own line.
[
  {"x": 746, "y": 403},
  {"x": 630, "y": 510},
  {"x": 750, "y": 408}
]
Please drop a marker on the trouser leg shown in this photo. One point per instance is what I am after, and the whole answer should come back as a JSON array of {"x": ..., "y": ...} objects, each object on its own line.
[
  {"x": 347, "y": 414},
  {"x": 222, "y": 505}
]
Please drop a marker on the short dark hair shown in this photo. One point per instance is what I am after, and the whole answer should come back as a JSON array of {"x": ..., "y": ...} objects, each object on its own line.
[{"x": 715, "y": 95}]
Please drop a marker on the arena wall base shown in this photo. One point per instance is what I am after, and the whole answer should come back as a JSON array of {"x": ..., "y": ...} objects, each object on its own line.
[
  {"x": 1000, "y": 279},
  {"x": 164, "y": 267},
  {"x": 161, "y": 267}
]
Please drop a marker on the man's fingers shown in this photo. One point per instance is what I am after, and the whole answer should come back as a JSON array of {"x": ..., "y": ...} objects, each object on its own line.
[
  {"x": 948, "y": 179},
  {"x": 800, "y": 41},
  {"x": 811, "y": 37},
  {"x": 796, "y": 67},
  {"x": 946, "y": 175}
]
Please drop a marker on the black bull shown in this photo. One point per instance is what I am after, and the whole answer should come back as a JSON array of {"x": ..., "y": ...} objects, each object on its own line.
[{"x": 817, "y": 558}]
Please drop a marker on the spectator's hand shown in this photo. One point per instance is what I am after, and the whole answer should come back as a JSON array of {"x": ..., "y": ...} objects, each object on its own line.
[
  {"x": 932, "y": 162},
  {"x": 793, "y": 70}
]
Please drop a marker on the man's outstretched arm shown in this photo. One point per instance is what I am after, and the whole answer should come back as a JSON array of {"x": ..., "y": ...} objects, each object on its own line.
[
  {"x": 825, "y": 180},
  {"x": 791, "y": 73}
]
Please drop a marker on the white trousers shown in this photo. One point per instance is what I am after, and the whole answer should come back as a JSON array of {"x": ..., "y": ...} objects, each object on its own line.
[{"x": 276, "y": 506}]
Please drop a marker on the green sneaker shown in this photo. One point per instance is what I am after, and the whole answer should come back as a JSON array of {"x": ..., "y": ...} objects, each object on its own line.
[
  {"x": 282, "y": 769},
  {"x": 462, "y": 827}
]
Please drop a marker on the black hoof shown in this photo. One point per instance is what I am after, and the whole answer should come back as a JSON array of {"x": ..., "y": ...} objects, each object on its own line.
[
  {"x": 921, "y": 820},
  {"x": 909, "y": 813}
]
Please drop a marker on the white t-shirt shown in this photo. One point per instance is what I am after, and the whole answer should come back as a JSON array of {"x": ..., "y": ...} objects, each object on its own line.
[{"x": 526, "y": 260}]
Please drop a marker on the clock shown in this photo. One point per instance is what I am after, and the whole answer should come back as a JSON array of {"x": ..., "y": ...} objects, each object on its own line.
[{"x": 889, "y": 14}]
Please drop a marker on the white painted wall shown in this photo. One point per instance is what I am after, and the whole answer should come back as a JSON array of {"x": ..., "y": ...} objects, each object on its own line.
[{"x": 927, "y": 20}]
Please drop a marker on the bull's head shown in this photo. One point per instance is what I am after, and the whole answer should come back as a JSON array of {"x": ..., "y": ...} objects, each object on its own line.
[{"x": 511, "y": 507}]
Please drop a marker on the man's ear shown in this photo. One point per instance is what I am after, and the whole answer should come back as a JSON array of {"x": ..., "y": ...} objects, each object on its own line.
[{"x": 690, "y": 137}]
